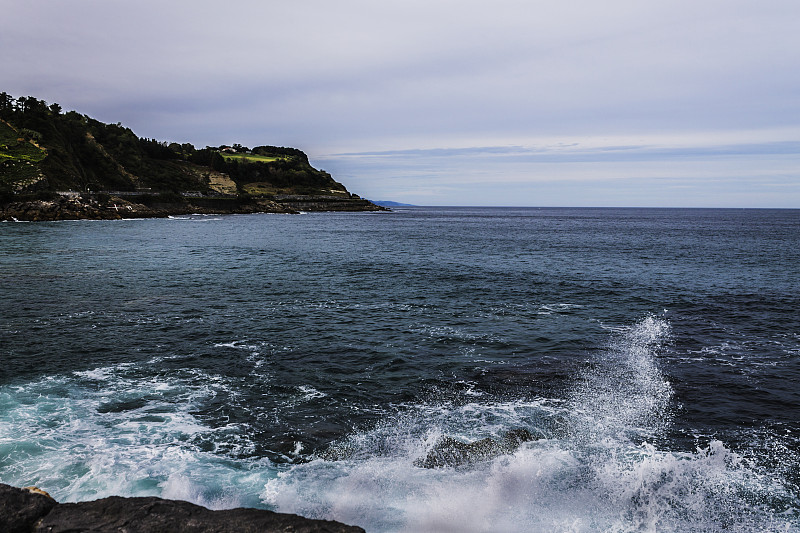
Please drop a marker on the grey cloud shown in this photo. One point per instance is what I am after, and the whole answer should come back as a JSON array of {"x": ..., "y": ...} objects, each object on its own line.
[{"x": 404, "y": 77}]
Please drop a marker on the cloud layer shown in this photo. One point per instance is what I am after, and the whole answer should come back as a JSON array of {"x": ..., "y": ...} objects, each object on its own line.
[{"x": 509, "y": 103}]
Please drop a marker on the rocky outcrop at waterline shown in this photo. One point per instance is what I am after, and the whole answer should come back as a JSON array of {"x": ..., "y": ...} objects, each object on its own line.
[
  {"x": 31, "y": 510},
  {"x": 449, "y": 451},
  {"x": 326, "y": 203},
  {"x": 106, "y": 207}
]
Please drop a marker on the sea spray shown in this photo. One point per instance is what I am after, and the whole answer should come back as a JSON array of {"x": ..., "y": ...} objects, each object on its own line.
[
  {"x": 598, "y": 471},
  {"x": 593, "y": 465},
  {"x": 624, "y": 392}
]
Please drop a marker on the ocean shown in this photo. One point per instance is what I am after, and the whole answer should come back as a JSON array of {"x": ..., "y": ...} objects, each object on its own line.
[{"x": 326, "y": 364}]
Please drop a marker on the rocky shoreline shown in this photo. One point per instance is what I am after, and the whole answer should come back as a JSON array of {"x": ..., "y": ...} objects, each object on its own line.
[
  {"x": 116, "y": 208},
  {"x": 31, "y": 510}
]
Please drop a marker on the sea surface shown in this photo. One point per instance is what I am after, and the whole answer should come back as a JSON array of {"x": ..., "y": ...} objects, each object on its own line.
[{"x": 310, "y": 363}]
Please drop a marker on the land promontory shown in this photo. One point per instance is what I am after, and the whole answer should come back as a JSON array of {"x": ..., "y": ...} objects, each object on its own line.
[{"x": 57, "y": 165}]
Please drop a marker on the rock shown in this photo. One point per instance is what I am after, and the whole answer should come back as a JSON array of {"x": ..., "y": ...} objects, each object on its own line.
[
  {"x": 25, "y": 511},
  {"x": 150, "y": 515},
  {"x": 106, "y": 207},
  {"x": 20, "y": 509},
  {"x": 301, "y": 202},
  {"x": 451, "y": 452}
]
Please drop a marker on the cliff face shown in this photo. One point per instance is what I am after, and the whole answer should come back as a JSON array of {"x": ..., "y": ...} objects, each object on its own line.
[
  {"x": 33, "y": 511},
  {"x": 44, "y": 151}
]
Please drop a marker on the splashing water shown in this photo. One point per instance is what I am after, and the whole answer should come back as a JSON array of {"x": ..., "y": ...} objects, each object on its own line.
[
  {"x": 117, "y": 431},
  {"x": 594, "y": 465},
  {"x": 624, "y": 393},
  {"x": 596, "y": 472}
]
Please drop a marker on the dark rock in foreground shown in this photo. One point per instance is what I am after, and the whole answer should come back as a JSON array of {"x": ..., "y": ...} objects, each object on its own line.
[
  {"x": 25, "y": 510},
  {"x": 20, "y": 509}
]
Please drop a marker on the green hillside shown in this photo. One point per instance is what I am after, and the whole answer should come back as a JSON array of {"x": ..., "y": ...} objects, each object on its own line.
[{"x": 43, "y": 149}]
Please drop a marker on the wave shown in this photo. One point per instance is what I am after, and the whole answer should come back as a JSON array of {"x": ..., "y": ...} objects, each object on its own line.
[
  {"x": 595, "y": 459},
  {"x": 593, "y": 465},
  {"x": 120, "y": 430}
]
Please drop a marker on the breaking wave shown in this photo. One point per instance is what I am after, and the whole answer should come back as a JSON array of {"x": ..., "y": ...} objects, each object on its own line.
[
  {"x": 592, "y": 464},
  {"x": 591, "y": 460}
]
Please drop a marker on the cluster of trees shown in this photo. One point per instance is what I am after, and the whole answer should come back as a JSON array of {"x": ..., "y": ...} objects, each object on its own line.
[
  {"x": 158, "y": 149},
  {"x": 282, "y": 150},
  {"x": 24, "y": 104},
  {"x": 30, "y": 115},
  {"x": 71, "y": 162}
]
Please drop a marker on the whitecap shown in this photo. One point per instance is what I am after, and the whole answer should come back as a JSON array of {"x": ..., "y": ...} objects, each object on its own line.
[{"x": 592, "y": 468}]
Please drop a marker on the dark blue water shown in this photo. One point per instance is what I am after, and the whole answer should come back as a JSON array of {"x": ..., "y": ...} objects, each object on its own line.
[{"x": 307, "y": 363}]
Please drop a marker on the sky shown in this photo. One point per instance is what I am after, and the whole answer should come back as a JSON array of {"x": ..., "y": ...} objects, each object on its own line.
[{"x": 663, "y": 103}]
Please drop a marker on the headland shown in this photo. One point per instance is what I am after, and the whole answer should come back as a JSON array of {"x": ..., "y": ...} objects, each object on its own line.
[{"x": 63, "y": 166}]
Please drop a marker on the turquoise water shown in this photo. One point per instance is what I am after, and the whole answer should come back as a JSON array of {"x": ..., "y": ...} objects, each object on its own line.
[{"x": 307, "y": 363}]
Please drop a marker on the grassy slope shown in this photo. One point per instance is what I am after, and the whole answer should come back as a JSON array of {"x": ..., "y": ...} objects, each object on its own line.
[
  {"x": 251, "y": 157},
  {"x": 19, "y": 158},
  {"x": 13, "y": 146}
]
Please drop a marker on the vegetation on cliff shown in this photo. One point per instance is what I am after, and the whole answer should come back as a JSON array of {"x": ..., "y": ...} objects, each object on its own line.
[{"x": 45, "y": 151}]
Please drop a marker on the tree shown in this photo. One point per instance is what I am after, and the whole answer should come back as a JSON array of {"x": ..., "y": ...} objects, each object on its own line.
[
  {"x": 6, "y": 104},
  {"x": 217, "y": 162}
]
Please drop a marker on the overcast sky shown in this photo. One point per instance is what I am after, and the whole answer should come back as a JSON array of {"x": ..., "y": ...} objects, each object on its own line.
[{"x": 537, "y": 103}]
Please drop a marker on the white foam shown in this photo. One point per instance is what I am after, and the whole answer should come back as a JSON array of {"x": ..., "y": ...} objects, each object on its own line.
[
  {"x": 310, "y": 393},
  {"x": 232, "y": 344},
  {"x": 547, "y": 485},
  {"x": 589, "y": 475},
  {"x": 624, "y": 393},
  {"x": 133, "y": 436},
  {"x": 594, "y": 466}
]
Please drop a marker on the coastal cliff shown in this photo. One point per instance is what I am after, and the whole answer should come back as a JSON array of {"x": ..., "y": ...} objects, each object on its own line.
[
  {"x": 31, "y": 510},
  {"x": 57, "y": 166}
]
